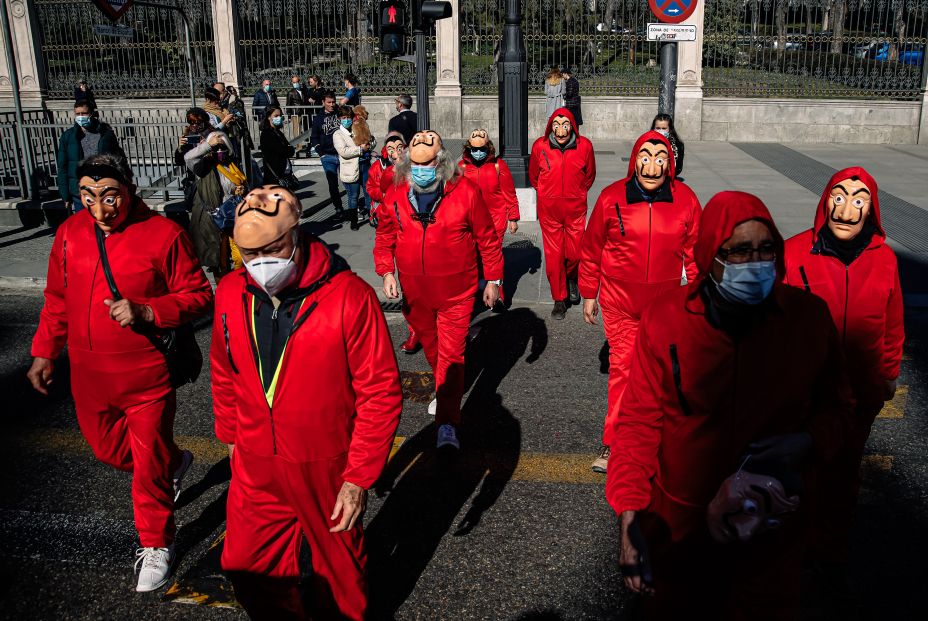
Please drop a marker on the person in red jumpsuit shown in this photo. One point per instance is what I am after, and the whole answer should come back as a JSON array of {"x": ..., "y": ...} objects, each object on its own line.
[
  {"x": 432, "y": 227},
  {"x": 491, "y": 174},
  {"x": 735, "y": 375},
  {"x": 562, "y": 169},
  {"x": 306, "y": 393},
  {"x": 120, "y": 382},
  {"x": 844, "y": 259},
  {"x": 638, "y": 241},
  {"x": 379, "y": 181}
]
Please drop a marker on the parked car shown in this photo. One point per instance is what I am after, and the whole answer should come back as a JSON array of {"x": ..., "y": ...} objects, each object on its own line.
[{"x": 908, "y": 54}]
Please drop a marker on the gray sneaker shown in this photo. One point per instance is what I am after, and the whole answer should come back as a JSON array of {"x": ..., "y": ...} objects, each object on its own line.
[
  {"x": 154, "y": 567},
  {"x": 600, "y": 463}
]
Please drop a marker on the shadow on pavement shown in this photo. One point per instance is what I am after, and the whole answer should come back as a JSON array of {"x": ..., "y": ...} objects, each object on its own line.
[
  {"x": 519, "y": 258},
  {"x": 433, "y": 487}
]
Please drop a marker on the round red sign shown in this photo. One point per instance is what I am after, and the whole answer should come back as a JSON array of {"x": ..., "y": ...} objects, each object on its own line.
[{"x": 672, "y": 11}]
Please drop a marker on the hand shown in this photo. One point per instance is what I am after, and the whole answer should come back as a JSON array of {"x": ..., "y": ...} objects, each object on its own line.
[
  {"x": 128, "y": 313},
  {"x": 40, "y": 374},
  {"x": 227, "y": 119},
  {"x": 216, "y": 140},
  {"x": 350, "y": 504},
  {"x": 889, "y": 390},
  {"x": 231, "y": 449},
  {"x": 590, "y": 310},
  {"x": 491, "y": 294},
  {"x": 182, "y": 142},
  {"x": 633, "y": 557},
  {"x": 390, "y": 288},
  {"x": 513, "y": 226}
]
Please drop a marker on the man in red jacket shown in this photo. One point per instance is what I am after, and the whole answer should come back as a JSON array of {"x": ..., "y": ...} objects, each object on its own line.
[
  {"x": 844, "y": 259},
  {"x": 734, "y": 376},
  {"x": 122, "y": 391},
  {"x": 562, "y": 169},
  {"x": 433, "y": 224},
  {"x": 639, "y": 239},
  {"x": 491, "y": 174},
  {"x": 306, "y": 393}
]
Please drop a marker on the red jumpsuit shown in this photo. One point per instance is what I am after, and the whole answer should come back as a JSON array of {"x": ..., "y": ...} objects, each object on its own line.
[
  {"x": 124, "y": 400},
  {"x": 379, "y": 178},
  {"x": 696, "y": 398},
  {"x": 497, "y": 189},
  {"x": 437, "y": 265},
  {"x": 865, "y": 301},
  {"x": 330, "y": 419},
  {"x": 632, "y": 251},
  {"x": 562, "y": 178}
]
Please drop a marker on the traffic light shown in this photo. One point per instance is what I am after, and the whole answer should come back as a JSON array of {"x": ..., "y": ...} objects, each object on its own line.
[
  {"x": 392, "y": 27},
  {"x": 433, "y": 11}
]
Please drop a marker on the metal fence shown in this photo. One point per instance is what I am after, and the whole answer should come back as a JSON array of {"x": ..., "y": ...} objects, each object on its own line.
[
  {"x": 603, "y": 41},
  {"x": 144, "y": 56},
  {"x": 328, "y": 38},
  {"x": 815, "y": 48}
]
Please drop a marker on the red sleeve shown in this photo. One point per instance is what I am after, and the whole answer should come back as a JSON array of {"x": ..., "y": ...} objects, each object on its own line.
[
  {"x": 221, "y": 376},
  {"x": 190, "y": 292},
  {"x": 508, "y": 187},
  {"x": 833, "y": 400},
  {"x": 591, "y": 251},
  {"x": 385, "y": 239},
  {"x": 488, "y": 243},
  {"x": 637, "y": 438},
  {"x": 590, "y": 168},
  {"x": 373, "y": 182},
  {"x": 534, "y": 166},
  {"x": 52, "y": 333},
  {"x": 895, "y": 331},
  {"x": 689, "y": 245},
  {"x": 376, "y": 382}
]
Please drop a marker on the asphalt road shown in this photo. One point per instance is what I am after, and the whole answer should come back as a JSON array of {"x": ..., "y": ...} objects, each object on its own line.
[{"x": 518, "y": 529}]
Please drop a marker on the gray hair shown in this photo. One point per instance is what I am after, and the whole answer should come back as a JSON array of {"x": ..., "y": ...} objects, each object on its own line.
[
  {"x": 405, "y": 100},
  {"x": 446, "y": 169}
]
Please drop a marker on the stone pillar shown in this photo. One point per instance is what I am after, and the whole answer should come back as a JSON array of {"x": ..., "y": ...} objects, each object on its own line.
[
  {"x": 688, "y": 115},
  {"x": 24, "y": 28},
  {"x": 923, "y": 123},
  {"x": 446, "y": 105},
  {"x": 228, "y": 51}
]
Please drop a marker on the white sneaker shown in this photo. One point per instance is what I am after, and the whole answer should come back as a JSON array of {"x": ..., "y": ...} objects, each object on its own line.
[
  {"x": 447, "y": 436},
  {"x": 185, "y": 462},
  {"x": 433, "y": 407},
  {"x": 155, "y": 567}
]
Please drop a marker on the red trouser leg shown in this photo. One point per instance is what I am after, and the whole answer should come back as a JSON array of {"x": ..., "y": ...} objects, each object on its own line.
[
  {"x": 621, "y": 330},
  {"x": 125, "y": 409},
  {"x": 573, "y": 234},
  {"x": 554, "y": 237},
  {"x": 439, "y": 310}
]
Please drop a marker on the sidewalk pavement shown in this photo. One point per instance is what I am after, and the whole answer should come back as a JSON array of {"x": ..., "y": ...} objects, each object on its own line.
[{"x": 710, "y": 167}]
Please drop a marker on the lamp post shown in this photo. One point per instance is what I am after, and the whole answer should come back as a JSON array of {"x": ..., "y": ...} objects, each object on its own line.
[{"x": 513, "y": 94}]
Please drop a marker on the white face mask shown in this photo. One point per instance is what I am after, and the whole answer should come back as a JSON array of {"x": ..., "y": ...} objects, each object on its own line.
[{"x": 273, "y": 274}]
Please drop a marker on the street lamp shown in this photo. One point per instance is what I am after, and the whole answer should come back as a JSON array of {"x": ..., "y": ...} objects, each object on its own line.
[{"x": 513, "y": 96}]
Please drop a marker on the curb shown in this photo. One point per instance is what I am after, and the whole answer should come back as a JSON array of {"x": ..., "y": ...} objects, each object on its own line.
[{"x": 22, "y": 282}]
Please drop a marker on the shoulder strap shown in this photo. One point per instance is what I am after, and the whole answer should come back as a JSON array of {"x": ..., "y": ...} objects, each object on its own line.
[{"x": 106, "y": 263}]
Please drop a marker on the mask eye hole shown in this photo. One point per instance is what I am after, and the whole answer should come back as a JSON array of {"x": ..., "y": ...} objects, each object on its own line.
[
  {"x": 839, "y": 199},
  {"x": 645, "y": 159}
]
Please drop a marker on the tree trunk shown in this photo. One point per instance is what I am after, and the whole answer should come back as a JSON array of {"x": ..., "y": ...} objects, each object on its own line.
[
  {"x": 810, "y": 25},
  {"x": 608, "y": 17},
  {"x": 365, "y": 49},
  {"x": 898, "y": 29},
  {"x": 840, "y": 9},
  {"x": 781, "y": 27}
]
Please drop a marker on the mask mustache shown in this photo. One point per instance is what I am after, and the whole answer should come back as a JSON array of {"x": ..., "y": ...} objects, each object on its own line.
[
  {"x": 652, "y": 177},
  {"x": 847, "y": 222}
]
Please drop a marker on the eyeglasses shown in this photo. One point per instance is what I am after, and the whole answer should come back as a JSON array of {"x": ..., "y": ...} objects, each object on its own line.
[{"x": 745, "y": 253}]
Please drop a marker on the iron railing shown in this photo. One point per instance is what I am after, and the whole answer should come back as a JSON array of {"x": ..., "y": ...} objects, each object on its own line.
[
  {"x": 857, "y": 49},
  {"x": 150, "y": 62}
]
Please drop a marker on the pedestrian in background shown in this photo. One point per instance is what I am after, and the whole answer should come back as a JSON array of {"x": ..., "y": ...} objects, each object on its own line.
[
  {"x": 296, "y": 100},
  {"x": 325, "y": 125},
  {"x": 554, "y": 91},
  {"x": 264, "y": 98},
  {"x": 89, "y": 136},
  {"x": 663, "y": 125},
  {"x": 276, "y": 149},
  {"x": 83, "y": 92},
  {"x": 218, "y": 117},
  {"x": 480, "y": 164},
  {"x": 572, "y": 95},
  {"x": 120, "y": 381},
  {"x": 352, "y": 91},
  {"x": 349, "y": 162},
  {"x": 406, "y": 121},
  {"x": 362, "y": 136},
  {"x": 316, "y": 91}
]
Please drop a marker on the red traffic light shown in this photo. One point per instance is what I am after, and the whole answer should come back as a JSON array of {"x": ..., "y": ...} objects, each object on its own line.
[{"x": 392, "y": 14}]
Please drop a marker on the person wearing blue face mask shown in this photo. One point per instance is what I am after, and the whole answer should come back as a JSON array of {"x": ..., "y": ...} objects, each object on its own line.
[
  {"x": 89, "y": 136},
  {"x": 264, "y": 98},
  {"x": 275, "y": 148},
  {"x": 349, "y": 165}
]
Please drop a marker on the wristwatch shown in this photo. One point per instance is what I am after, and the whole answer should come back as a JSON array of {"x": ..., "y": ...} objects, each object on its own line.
[{"x": 498, "y": 283}]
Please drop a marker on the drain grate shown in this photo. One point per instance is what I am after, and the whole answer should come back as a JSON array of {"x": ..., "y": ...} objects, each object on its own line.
[
  {"x": 603, "y": 152},
  {"x": 904, "y": 222},
  {"x": 391, "y": 307}
]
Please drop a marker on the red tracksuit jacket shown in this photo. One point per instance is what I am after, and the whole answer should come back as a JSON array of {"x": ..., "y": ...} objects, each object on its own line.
[
  {"x": 864, "y": 298},
  {"x": 153, "y": 263},
  {"x": 446, "y": 247},
  {"x": 338, "y": 389},
  {"x": 640, "y": 242},
  {"x": 562, "y": 178},
  {"x": 696, "y": 397},
  {"x": 375, "y": 187},
  {"x": 497, "y": 188}
]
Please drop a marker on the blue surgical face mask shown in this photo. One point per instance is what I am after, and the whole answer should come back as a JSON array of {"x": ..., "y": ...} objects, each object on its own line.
[
  {"x": 83, "y": 120},
  {"x": 747, "y": 283},
  {"x": 277, "y": 121},
  {"x": 478, "y": 155},
  {"x": 423, "y": 176},
  {"x": 346, "y": 123},
  {"x": 297, "y": 85},
  {"x": 267, "y": 88}
]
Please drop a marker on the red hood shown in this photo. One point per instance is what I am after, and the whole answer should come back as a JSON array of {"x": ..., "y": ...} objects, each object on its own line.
[
  {"x": 821, "y": 214},
  {"x": 652, "y": 135},
  {"x": 562, "y": 112},
  {"x": 722, "y": 214},
  {"x": 383, "y": 153}
]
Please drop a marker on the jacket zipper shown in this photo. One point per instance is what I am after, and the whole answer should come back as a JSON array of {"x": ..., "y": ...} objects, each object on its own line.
[
  {"x": 647, "y": 271},
  {"x": 246, "y": 318},
  {"x": 64, "y": 261},
  {"x": 225, "y": 333},
  {"x": 547, "y": 161},
  {"x": 425, "y": 228},
  {"x": 847, "y": 291},
  {"x": 805, "y": 279},
  {"x": 618, "y": 212}
]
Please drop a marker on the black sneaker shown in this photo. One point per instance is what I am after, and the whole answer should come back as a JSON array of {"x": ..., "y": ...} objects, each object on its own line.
[
  {"x": 560, "y": 309},
  {"x": 573, "y": 291}
]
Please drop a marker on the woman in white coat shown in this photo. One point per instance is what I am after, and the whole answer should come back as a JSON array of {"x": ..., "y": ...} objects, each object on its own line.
[{"x": 349, "y": 170}]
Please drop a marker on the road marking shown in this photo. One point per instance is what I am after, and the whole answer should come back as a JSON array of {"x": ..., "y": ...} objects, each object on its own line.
[
  {"x": 418, "y": 386},
  {"x": 882, "y": 463},
  {"x": 896, "y": 407}
]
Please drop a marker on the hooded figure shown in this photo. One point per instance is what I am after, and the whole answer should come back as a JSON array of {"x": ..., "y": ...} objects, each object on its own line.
[
  {"x": 306, "y": 393},
  {"x": 433, "y": 225},
  {"x": 492, "y": 176},
  {"x": 844, "y": 259},
  {"x": 733, "y": 372},
  {"x": 562, "y": 169},
  {"x": 640, "y": 236}
]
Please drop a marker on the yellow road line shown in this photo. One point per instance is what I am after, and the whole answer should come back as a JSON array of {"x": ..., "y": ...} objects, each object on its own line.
[
  {"x": 883, "y": 463},
  {"x": 896, "y": 407}
]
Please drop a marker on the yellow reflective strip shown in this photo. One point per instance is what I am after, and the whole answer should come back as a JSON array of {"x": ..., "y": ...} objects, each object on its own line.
[{"x": 272, "y": 389}]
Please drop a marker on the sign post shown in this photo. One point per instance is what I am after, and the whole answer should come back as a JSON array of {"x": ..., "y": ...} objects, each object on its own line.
[
  {"x": 114, "y": 9},
  {"x": 669, "y": 12}
]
